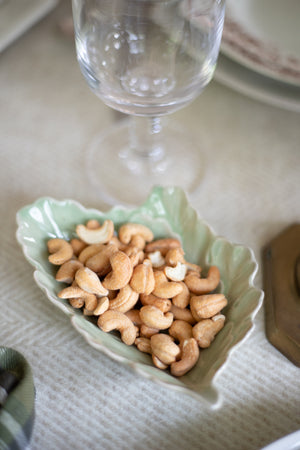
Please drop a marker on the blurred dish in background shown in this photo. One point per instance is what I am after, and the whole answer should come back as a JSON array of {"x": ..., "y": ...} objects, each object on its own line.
[
  {"x": 17, "y": 16},
  {"x": 257, "y": 86},
  {"x": 264, "y": 35}
]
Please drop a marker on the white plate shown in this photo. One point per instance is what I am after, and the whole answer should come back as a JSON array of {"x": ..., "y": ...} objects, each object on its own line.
[
  {"x": 264, "y": 35},
  {"x": 256, "y": 86},
  {"x": 17, "y": 16},
  {"x": 289, "y": 442}
]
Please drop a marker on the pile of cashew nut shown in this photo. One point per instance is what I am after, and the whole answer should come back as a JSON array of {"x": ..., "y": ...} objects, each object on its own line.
[{"x": 143, "y": 288}]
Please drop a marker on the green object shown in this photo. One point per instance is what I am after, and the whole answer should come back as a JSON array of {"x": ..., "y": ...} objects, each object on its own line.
[
  {"x": 17, "y": 411},
  {"x": 168, "y": 213}
]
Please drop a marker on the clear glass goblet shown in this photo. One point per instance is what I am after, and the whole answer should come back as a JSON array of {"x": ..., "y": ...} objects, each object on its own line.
[{"x": 147, "y": 59}]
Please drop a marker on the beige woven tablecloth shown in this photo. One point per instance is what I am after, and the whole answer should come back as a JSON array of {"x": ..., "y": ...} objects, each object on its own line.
[{"x": 250, "y": 192}]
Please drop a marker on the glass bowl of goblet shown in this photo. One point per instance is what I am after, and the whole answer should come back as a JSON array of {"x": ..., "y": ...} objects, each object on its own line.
[{"x": 146, "y": 59}]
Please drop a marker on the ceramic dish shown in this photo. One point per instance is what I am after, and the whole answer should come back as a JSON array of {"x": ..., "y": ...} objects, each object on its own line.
[
  {"x": 264, "y": 36},
  {"x": 257, "y": 86},
  {"x": 168, "y": 213}
]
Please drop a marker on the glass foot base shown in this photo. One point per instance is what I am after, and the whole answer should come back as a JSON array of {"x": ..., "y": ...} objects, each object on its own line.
[{"x": 125, "y": 176}]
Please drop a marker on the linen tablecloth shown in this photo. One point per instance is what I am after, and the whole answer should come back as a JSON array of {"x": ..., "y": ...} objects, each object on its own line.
[{"x": 250, "y": 192}]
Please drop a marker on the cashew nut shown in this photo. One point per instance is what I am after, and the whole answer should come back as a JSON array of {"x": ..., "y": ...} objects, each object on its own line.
[
  {"x": 155, "y": 318},
  {"x": 76, "y": 302},
  {"x": 61, "y": 251},
  {"x": 147, "y": 332},
  {"x": 115, "y": 320},
  {"x": 175, "y": 256},
  {"x": 138, "y": 241},
  {"x": 158, "y": 363},
  {"x": 164, "y": 348},
  {"x": 90, "y": 282},
  {"x": 183, "y": 314},
  {"x": 176, "y": 273},
  {"x": 207, "y": 306},
  {"x": 183, "y": 298},
  {"x": 129, "y": 230},
  {"x": 90, "y": 300},
  {"x": 165, "y": 288},
  {"x": 163, "y": 245},
  {"x": 90, "y": 251},
  {"x": 77, "y": 246},
  {"x": 143, "y": 344},
  {"x": 99, "y": 235},
  {"x": 135, "y": 255},
  {"x": 142, "y": 280},
  {"x": 134, "y": 316},
  {"x": 201, "y": 286},
  {"x": 92, "y": 224},
  {"x": 66, "y": 272},
  {"x": 156, "y": 259},
  {"x": 100, "y": 261},
  {"x": 205, "y": 331},
  {"x": 164, "y": 304},
  {"x": 125, "y": 300},
  {"x": 181, "y": 330},
  {"x": 189, "y": 357},
  {"x": 121, "y": 271},
  {"x": 103, "y": 305}
]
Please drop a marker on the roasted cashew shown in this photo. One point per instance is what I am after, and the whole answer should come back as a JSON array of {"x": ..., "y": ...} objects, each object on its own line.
[
  {"x": 116, "y": 241},
  {"x": 175, "y": 256},
  {"x": 76, "y": 302},
  {"x": 143, "y": 344},
  {"x": 176, "y": 273},
  {"x": 72, "y": 292},
  {"x": 205, "y": 331},
  {"x": 125, "y": 300},
  {"x": 90, "y": 251},
  {"x": 156, "y": 258},
  {"x": 100, "y": 261},
  {"x": 93, "y": 224},
  {"x": 163, "y": 245},
  {"x": 158, "y": 363},
  {"x": 189, "y": 357},
  {"x": 102, "y": 306},
  {"x": 155, "y": 318},
  {"x": 99, "y": 235},
  {"x": 142, "y": 280},
  {"x": 134, "y": 316},
  {"x": 147, "y": 332},
  {"x": 129, "y": 230},
  {"x": 165, "y": 288},
  {"x": 121, "y": 271},
  {"x": 182, "y": 314},
  {"x": 181, "y": 330},
  {"x": 201, "y": 286},
  {"x": 61, "y": 251},
  {"x": 207, "y": 306},
  {"x": 164, "y": 348},
  {"x": 77, "y": 246},
  {"x": 138, "y": 241},
  {"x": 164, "y": 304},
  {"x": 183, "y": 298},
  {"x": 115, "y": 320},
  {"x": 66, "y": 272},
  {"x": 135, "y": 255},
  {"x": 90, "y": 282}
]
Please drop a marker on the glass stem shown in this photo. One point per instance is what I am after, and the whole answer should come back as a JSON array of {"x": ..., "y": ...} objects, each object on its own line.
[{"x": 146, "y": 138}]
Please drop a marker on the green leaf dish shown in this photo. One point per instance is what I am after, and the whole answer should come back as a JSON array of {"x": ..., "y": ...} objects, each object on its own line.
[{"x": 168, "y": 213}]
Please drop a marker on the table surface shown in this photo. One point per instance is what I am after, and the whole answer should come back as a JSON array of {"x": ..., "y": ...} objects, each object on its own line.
[{"x": 250, "y": 193}]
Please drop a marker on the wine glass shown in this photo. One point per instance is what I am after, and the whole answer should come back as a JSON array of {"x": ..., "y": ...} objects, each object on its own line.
[{"x": 147, "y": 59}]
